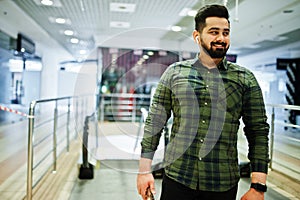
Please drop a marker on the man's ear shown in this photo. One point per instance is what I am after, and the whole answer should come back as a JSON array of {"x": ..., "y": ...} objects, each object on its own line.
[{"x": 196, "y": 36}]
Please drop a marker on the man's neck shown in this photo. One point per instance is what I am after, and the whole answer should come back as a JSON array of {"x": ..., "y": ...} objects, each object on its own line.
[{"x": 209, "y": 62}]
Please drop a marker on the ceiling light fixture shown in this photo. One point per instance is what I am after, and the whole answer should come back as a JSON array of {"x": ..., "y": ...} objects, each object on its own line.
[
  {"x": 145, "y": 57},
  {"x": 184, "y": 12},
  {"x": 176, "y": 28},
  {"x": 187, "y": 12},
  {"x": 47, "y": 2},
  {"x": 117, "y": 24},
  {"x": 192, "y": 13},
  {"x": 52, "y": 3},
  {"x": 82, "y": 52},
  {"x": 74, "y": 40},
  {"x": 60, "y": 20},
  {"x": 122, "y": 7},
  {"x": 69, "y": 32},
  {"x": 150, "y": 53}
]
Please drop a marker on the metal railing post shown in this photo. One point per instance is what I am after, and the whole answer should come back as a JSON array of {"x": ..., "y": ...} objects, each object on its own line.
[
  {"x": 30, "y": 150},
  {"x": 102, "y": 109},
  {"x": 134, "y": 110},
  {"x": 76, "y": 116},
  {"x": 82, "y": 112},
  {"x": 86, "y": 101},
  {"x": 272, "y": 137},
  {"x": 31, "y": 164},
  {"x": 68, "y": 125},
  {"x": 55, "y": 137}
]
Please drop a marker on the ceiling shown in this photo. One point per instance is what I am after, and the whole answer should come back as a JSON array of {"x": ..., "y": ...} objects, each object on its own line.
[{"x": 256, "y": 25}]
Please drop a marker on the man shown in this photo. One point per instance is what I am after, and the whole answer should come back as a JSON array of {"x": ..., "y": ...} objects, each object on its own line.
[{"x": 207, "y": 97}]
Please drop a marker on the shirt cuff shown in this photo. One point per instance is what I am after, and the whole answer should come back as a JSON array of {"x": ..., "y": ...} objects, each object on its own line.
[
  {"x": 147, "y": 154},
  {"x": 259, "y": 166}
]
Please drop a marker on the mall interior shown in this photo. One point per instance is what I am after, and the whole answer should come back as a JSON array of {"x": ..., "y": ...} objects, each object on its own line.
[{"x": 77, "y": 80}]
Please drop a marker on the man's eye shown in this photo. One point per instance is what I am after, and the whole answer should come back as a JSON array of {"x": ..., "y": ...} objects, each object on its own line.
[{"x": 226, "y": 33}]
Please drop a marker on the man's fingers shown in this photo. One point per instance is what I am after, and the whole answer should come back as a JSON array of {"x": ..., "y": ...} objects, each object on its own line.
[
  {"x": 145, "y": 182},
  {"x": 152, "y": 188}
]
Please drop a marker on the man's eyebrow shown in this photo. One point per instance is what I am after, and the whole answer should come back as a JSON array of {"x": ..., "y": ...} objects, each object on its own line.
[{"x": 217, "y": 29}]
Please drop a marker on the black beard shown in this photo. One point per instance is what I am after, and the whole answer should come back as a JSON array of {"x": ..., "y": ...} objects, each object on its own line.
[{"x": 218, "y": 53}]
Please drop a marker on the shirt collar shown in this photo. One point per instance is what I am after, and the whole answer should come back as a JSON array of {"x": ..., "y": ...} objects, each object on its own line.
[{"x": 222, "y": 66}]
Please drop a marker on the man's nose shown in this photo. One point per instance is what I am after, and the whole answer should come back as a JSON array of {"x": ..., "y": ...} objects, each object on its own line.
[{"x": 220, "y": 37}]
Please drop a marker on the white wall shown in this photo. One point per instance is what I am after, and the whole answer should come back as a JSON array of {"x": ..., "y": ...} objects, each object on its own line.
[
  {"x": 263, "y": 64},
  {"x": 31, "y": 81},
  {"x": 12, "y": 21},
  {"x": 269, "y": 56}
]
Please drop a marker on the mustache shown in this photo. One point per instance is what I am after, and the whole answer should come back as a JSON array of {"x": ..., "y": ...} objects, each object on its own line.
[{"x": 219, "y": 43}]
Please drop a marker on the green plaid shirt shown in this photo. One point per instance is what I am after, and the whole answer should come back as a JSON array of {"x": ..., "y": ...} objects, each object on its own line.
[{"x": 207, "y": 105}]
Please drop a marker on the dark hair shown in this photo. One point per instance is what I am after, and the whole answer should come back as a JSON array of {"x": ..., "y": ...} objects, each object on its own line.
[{"x": 209, "y": 11}]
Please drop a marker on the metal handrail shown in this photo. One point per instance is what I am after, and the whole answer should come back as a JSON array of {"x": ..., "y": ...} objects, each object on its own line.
[
  {"x": 284, "y": 106},
  {"x": 31, "y": 128},
  {"x": 273, "y": 121}
]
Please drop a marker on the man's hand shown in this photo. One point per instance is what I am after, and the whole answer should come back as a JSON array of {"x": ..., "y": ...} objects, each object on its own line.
[
  {"x": 252, "y": 194},
  {"x": 145, "y": 181},
  {"x": 145, "y": 178}
]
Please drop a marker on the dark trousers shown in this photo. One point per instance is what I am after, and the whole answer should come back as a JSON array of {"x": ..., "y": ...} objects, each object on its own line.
[{"x": 172, "y": 190}]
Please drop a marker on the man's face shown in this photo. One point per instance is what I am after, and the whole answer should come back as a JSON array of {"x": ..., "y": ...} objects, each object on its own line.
[{"x": 215, "y": 37}]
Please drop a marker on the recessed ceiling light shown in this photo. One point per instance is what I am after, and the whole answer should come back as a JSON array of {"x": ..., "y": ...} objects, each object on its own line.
[
  {"x": 192, "y": 13},
  {"x": 47, "y": 2},
  {"x": 122, "y": 7},
  {"x": 176, "y": 28},
  {"x": 187, "y": 12},
  {"x": 145, "y": 57},
  {"x": 150, "y": 53},
  {"x": 60, "y": 20},
  {"x": 53, "y": 3},
  {"x": 82, "y": 52},
  {"x": 69, "y": 32},
  {"x": 74, "y": 40},
  {"x": 117, "y": 24},
  {"x": 184, "y": 12}
]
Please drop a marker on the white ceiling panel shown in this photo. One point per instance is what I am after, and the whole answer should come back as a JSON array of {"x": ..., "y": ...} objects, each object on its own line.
[{"x": 136, "y": 23}]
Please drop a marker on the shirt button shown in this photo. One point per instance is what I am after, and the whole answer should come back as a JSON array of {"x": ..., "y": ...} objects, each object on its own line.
[
  {"x": 205, "y": 103},
  {"x": 201, "y": 140},
  {"x": 200, "y": 158},
  {"x": 203, "y": 121},
  {"x": 207, "y": 86}
]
